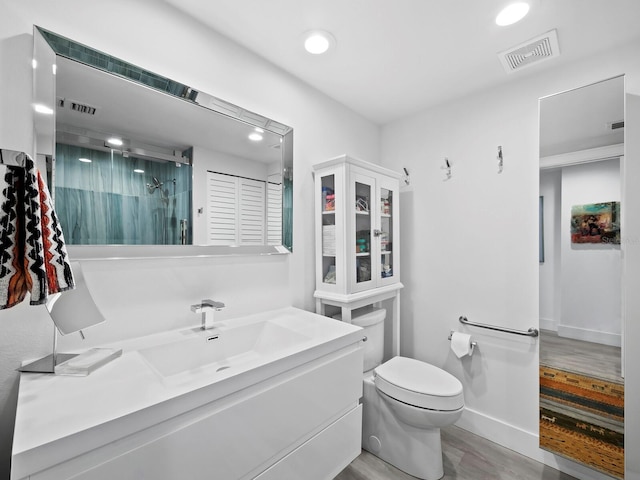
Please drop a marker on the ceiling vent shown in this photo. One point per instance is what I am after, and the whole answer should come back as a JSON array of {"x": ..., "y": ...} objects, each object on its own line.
[
  {"x": 616, "y": 125},
  {"x": 78, "y": 107},
  {"x": 530, "y": 52}
]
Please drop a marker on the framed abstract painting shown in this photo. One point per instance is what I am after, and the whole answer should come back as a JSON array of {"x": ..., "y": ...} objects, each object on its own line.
[{"x": 596, "y": 223}]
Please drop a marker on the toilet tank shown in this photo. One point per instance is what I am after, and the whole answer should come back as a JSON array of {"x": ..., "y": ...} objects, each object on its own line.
[{"x": 372, "y": 321}]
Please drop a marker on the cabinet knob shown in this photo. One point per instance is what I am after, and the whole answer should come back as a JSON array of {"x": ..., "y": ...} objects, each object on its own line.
[{"x": 377, "y": 233}]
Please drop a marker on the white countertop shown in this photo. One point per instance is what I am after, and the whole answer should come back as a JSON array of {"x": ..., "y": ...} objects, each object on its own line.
[{"x": 126, "y": 395}]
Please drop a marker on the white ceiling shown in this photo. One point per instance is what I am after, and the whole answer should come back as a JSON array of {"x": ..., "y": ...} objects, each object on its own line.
[
  {"x": 145, "y": 117},
  {"x": 396, "y": 57}
]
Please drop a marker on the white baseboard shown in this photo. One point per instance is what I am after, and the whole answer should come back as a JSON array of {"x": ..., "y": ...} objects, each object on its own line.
[
  {"x": 523, "y": 442},
  {"x": 547, "y": 324},
  {"x": 595, "y": 336}
]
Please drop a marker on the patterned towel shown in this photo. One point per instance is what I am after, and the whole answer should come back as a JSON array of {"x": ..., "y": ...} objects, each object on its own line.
[{"x": 33, "y": 256}]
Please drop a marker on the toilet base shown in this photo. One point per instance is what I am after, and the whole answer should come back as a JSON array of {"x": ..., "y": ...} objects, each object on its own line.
[{"x": 416, "y": 451}]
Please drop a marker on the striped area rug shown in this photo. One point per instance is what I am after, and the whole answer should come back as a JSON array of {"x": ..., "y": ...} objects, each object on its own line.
[{"x": 582, "y": 418}]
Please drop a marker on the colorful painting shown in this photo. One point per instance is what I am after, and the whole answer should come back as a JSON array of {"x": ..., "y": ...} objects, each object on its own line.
[{"x": 596, "y": 223}]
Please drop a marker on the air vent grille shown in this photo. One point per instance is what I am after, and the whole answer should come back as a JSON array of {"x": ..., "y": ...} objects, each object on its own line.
[
  {"x": 82, "y": 108},
  {"x": 531, "y": 52},
  {"x": 76, "y": 106},
  {"x": 617, "y": 125}
]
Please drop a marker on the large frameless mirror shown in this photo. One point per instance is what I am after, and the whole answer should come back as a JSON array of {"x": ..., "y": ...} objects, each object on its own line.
[
  {"x": 136, "y": 159},
  {"x": 581, "y": 315}
]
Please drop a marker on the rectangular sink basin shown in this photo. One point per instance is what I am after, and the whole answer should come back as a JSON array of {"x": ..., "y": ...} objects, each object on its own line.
[{"x": 221, "y": 348}]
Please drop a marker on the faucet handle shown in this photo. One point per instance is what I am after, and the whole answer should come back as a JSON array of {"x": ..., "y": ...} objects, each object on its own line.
[{"x": 213, "y": 304}]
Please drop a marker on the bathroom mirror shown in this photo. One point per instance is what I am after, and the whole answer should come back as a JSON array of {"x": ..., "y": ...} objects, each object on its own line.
[
  {"x": 189, "y": 173},
  {"x": 581, "y": 335}
]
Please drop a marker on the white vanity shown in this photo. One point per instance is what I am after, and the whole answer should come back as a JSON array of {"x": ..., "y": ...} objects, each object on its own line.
[{"x": 269, "y": 396}]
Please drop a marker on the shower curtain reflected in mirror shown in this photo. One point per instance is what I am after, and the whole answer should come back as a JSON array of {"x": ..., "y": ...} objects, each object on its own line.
[{"x": 106, "y": 198}]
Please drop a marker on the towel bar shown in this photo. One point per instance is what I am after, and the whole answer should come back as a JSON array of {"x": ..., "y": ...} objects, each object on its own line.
[{"x": 532, "y": 332}]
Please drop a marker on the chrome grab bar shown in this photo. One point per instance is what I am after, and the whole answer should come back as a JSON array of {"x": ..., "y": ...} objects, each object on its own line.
[{"x": 532, "y": 332}]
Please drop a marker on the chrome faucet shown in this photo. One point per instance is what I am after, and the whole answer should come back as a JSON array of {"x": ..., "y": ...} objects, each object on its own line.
[{"x": 207, "y": 308}]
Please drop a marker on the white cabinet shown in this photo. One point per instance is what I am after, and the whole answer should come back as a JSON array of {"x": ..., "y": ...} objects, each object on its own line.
[
  {"x": 307, "y": 417},
  {"x": 357, "y": 234}
]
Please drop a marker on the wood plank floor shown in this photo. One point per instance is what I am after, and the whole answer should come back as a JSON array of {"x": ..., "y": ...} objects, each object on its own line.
[
  {"x": 466, "y": 457},
  {"x": 587, "y": 358}
]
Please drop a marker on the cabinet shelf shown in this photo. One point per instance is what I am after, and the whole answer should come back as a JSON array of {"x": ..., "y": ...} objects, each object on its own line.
[
  {"x": 328, "y": 212},
  {"x": 363, "y": 254}
]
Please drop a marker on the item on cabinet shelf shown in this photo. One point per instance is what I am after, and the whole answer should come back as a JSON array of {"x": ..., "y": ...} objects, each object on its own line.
[
  {"x": 328, "y": 239},
  {"x": 385, "y": 245},
  {"x": 330, "y": 277},
  {"x": 362, "y": 205},
  {"x": 328, "y": 200},
  {"x": 385, "y": 206},
  {"x": 363, "y": 270},
  {"x": 362, "y": 241},
  {"x": 386, "y": 271}
]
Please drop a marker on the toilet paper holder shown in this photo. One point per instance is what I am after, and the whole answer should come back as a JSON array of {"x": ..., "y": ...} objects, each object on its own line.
[{"x": 473, "y": 344}]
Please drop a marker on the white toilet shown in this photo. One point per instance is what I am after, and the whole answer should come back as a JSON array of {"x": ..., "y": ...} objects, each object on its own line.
[{"x": 405, "y": 403}]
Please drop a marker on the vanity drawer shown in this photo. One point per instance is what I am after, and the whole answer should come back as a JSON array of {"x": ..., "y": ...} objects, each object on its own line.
[{"x": 325, "y": 455}]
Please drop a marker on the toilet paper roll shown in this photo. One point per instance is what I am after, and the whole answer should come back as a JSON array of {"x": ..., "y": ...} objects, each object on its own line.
[{"x": 461, "y": 344}]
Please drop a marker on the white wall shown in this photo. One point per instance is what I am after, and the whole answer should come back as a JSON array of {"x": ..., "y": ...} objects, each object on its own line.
[
  {"x": 142, "y": 296},
  {"x": 470, "y": 244},
  {"x": 591, "y": 273},
  {"x": 550, "y": 298}
]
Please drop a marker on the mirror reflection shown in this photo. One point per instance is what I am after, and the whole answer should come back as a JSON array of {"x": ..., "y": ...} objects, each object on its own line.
[
  {"x": 142, "y": 160},
  {"x": 581, "y": 378}
]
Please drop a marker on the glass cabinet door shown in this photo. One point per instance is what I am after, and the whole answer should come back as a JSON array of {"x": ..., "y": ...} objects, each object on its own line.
[
  {"x": 386, "y": 233},
  {"x": 363, "y": 207},
  {"x": 328, "y": 204}
]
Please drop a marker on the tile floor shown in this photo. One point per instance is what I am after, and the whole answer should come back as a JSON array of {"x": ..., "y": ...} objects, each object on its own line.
[{"x": 466, "y": 457}]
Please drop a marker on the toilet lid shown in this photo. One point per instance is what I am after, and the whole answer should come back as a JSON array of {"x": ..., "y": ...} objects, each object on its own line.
[{"x": 420, "y": 384}]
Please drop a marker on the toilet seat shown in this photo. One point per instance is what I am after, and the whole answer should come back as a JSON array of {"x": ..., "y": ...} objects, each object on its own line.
[{"x": 419, "y": 384}]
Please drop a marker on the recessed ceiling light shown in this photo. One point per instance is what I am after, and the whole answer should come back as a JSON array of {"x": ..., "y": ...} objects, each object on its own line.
[
  {"x": 255, "y": 137},
  {"x": 512, "y": 13},
  {"x": 318, "y": 42},
  {"x": 43, "y": 109},
  {"x": 114, "y": 141},
  {"x": 84, "y": 160}
]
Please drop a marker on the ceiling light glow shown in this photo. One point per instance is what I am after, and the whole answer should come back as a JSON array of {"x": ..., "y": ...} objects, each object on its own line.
[
  {"x": 114, "y": 141},
  {"x": 84, "y": 160},
  {"x": 43, "y": 109},
  {"x": 138, "y": 170},
  {"x": 255, "y": 137},
  {"x": 318, "y": 42},
  {"x": 512, "y": 13}
]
